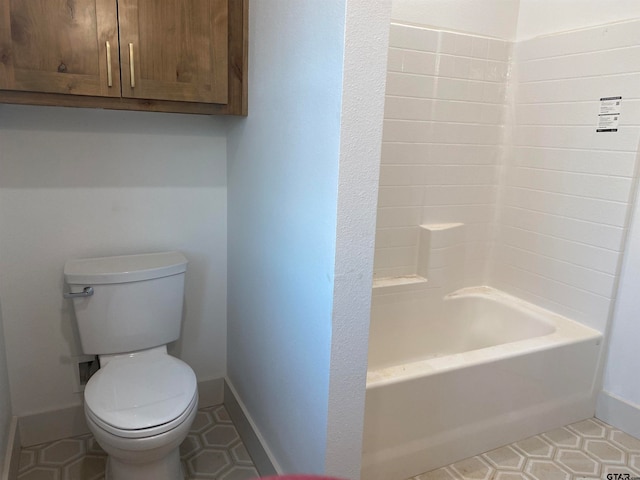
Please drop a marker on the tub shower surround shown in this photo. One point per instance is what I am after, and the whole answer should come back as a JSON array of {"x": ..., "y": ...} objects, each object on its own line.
[
  {"x": 493, "y": 174},
  {"x": 567, "y": 189},
  {"x": 444, "y": 110}
]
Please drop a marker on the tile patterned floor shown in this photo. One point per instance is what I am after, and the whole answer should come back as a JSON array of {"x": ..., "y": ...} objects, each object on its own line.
[
  {"x": 589, "y": 450},
  {"x": 212, "y": 450},
  {"x": 586, "y": 450}
]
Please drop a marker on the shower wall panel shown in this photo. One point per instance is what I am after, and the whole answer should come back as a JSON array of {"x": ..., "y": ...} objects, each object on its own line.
[
  {"x": 567, "y": 188},
  {"x": 441, "y": 151}
]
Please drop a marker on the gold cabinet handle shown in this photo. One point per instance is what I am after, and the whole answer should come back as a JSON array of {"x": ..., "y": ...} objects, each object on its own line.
[
  {"x": 109, "y": 74},
  {"x": 132, "y": 67}
]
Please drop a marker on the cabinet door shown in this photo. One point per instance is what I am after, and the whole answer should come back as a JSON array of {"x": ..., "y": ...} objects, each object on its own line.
[
  {"x": 174, "y": 49},
  {"x": 59, "y": 46}
]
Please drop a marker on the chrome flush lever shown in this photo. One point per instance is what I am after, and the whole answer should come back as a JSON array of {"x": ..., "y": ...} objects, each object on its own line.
[{"x": 87, "y": 292}]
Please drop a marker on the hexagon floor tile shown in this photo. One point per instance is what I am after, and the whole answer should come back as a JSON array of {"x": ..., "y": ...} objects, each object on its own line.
[
  {"x": 212, "y": 450},
  {"x": 585, "y": 450}
]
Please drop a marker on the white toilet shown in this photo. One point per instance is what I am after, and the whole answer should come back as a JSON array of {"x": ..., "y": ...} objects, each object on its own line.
[{"x": 141, "y": 403}]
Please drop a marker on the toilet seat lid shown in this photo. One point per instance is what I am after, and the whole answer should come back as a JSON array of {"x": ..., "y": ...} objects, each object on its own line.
[{"x": 141, "y": 392}]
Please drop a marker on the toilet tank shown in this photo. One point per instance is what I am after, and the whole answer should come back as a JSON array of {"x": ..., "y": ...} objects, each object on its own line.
[{"x": 136, "y": 304}]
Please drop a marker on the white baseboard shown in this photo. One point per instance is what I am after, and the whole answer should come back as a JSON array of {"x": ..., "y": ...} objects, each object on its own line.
[
  {"x": 262, "y": 457},
  {"x": 210, "y": 392},
  {"x": 45, "y": 427},
  {"x": 12, "y": 455},
  {"x": 619, "y": 413},
  {"x": 68, "y": 422}
]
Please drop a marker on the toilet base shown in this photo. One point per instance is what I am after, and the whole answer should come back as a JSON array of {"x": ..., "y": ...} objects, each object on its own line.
[
  {"x": 167, "y": 468},
  {"x": 147, "y": 458}
]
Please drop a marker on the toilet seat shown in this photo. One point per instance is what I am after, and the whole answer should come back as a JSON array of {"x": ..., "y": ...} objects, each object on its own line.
[
  {"x": 145, "y": 432},
  {"x": 141, "y": 395}
]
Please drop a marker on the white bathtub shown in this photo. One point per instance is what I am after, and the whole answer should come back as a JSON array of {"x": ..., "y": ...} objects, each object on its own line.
[{"x": 483, "y": 369}]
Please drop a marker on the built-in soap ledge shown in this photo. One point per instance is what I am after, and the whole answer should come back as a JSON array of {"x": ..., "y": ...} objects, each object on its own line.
[
  {"x": 438, "y": 246},
  {"x": 386, "y": 285}
]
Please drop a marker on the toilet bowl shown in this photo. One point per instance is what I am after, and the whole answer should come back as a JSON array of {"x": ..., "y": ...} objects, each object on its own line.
[
  {"x": 139, "y": 407},
  {"x": 142, "y": 401}
]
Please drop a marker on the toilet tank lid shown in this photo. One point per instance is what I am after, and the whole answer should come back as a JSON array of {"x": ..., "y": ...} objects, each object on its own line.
[{"x": 124, "y": 268}]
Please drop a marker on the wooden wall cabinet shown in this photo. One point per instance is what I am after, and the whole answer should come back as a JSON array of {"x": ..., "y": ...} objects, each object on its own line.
[{"x": 187, "y": 56}]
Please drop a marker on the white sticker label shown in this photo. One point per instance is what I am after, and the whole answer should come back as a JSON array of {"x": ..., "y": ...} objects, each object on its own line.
[{"x": 609, "y": 116}]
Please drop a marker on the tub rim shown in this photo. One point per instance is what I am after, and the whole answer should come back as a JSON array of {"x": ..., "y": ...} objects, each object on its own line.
[{"x": 567, "y": 331}]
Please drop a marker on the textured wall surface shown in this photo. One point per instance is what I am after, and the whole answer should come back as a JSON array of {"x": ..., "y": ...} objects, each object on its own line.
[
  {"x": 283, "y": 185},
  {"x": 366, "y": 40},
  {"x": 303, "y": 172}
]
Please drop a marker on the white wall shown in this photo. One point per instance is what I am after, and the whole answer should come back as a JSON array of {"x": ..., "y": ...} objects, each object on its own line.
[
  {"x": 491, "y": 18},
  {"x": 366, "y": 41},
  {"x": 283, "y": 184},
  {"x": 5, "y": 397},
  {"x": 297, "y": 338},
  {"x": 543, "y": 17},
  {"x": 5, "y": 394},
  {"x": 78, "y": 183},
  {"x": 620, "y": 402}
]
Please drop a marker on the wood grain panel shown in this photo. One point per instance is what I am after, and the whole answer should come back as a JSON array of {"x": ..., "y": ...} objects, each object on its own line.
[
  {"x": 238, "y": 56},
  {"x": 177, "y": 83},
  {"x": 180, "y": 49},
  {"x": 112, "y": 103},
  {"x": 51, "y": 45},
  {"x": 55, "y": 36},
  {"x": 219, "y": 49},
  {"x": 75, "y": 84},
  {"x": 6, "y": 57}
]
